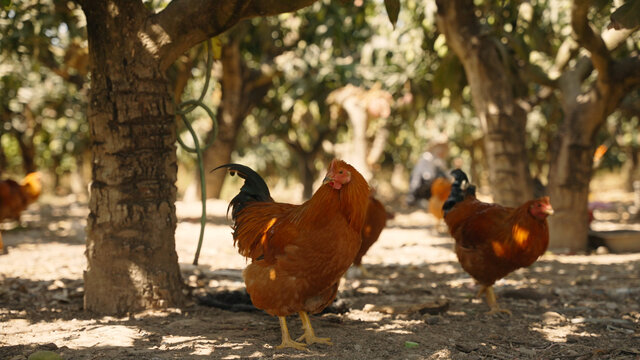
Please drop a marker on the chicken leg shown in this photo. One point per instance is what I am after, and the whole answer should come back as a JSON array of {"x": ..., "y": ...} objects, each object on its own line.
[
  {"x": 287, "y": 342},
  {"x": 491, "y": 301},
  {"x": 309, "y": 335},
  {"x": 365, "y": 272}
]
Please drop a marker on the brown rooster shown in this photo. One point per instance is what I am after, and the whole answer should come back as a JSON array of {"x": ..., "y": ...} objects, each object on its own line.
[
  {"x": 298, "y": 252},
  {"x": 374, "y": 222},
  {"x": 493, "y": 240},
  {"x": 15, "y": 197}
]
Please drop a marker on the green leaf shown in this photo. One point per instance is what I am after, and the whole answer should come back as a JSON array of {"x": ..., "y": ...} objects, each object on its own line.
[
  {"x": 393, "y": 9},
  {"x": 626, "y": 16},
  {"x": 410, "y": 344},
  {"x": 5, "y": 4}
]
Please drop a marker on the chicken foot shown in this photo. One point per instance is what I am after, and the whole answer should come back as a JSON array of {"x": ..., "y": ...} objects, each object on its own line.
[
  {"x": 287, "y": 342},
  {"x": 309, "y": 335},
  {"x": 491, "y": 301}
]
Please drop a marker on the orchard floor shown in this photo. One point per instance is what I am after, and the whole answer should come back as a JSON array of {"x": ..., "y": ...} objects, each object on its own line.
[{"x": 418, "y": 304}]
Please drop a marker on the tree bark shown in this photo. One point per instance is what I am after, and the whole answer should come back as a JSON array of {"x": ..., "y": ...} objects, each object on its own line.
[
  {"x": 132, "y": 262},
  {"x": 569, "y": 176},
  {"x": 184, "y": 23},
  {"x": 495, "y": 102}
]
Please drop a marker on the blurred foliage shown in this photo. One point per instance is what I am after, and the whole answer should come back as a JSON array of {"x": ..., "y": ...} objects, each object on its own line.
[
  {"x": 332, "y": 44},
  {"x": 43, "y": 84}
]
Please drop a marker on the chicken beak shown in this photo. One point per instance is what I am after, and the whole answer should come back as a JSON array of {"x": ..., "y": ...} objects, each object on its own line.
[
  {"x": 548, "y": 211},
  {"x": 327, "y": 179}
]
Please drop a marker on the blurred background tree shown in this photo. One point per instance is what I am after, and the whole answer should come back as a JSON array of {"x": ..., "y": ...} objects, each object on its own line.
[
  {"x": 43, "y": 79},
  {"x": 526, "y": 57}
]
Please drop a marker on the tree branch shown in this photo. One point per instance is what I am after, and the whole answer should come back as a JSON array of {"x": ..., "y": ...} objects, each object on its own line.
[
  {"x": 185, "y": 23},
  {"x": 587, "y": 38},
  {"x": 457, "y": 21},
  {"x": 564, "y": 55},
  {"x": 322, "y": 134},
  {"x": 534, "y": 73},
  {"x": 626, "y": 72}
]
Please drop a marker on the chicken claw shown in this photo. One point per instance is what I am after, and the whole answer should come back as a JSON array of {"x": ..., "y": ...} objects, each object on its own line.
[
  {"x": 497, "y": 309},
  {"x": 491, "y": 301},
  {"x": 287, "y": 342},
  {"x": 309, "y": 335}
]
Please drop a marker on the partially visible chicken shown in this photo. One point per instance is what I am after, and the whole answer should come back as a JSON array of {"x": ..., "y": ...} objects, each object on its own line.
[
  {"x": 440, "y": 189},
  {"x": 374, "y": 222},
  {"x": 493, "y": 240},
  {"x": 15, "y": 197},
  {"x": 298, "y": 252}
]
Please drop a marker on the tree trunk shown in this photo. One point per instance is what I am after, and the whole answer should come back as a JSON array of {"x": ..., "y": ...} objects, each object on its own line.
[
  {"x": 308, "y": 172},
  {"x": 572, "y": 162},
  {"x": 25, "y": 140},
  {"x": 569, "y": 176},
  {"x": 27, "y": 151},
  {"x": 132, "y": 262},
  {"x": 495, "y": 102}
]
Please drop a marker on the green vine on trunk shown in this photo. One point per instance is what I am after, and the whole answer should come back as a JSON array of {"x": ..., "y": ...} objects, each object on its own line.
[{"x": 182, "y": 110}]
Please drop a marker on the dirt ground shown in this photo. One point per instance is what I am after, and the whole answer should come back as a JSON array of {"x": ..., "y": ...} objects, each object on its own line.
[{"x": 419, "y": 304}]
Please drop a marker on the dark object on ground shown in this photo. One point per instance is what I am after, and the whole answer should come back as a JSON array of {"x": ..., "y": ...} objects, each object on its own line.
[{"x": 239, "y": 300}]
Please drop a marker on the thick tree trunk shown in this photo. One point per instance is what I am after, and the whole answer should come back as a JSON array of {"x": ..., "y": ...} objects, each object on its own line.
[
  {"x": 132, "y": 262},
  {"x": 572, "y": 162},
  {"x": 494, "y": 99},
  {"x": 569, "y": 176}
]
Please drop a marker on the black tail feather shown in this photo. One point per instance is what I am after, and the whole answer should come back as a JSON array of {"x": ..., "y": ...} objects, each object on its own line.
[
  {"x": 254, "y": 188},
  {"x": 457, "y": 193}
]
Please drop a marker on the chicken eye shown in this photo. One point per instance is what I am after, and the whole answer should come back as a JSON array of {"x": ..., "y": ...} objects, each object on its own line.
[{"x": 340, "y": 172}]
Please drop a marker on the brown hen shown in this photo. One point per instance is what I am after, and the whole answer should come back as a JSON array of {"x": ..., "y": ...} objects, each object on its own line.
[
  {"x": 493, "y": 240},
  {"x": 298, "y": 252}
]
